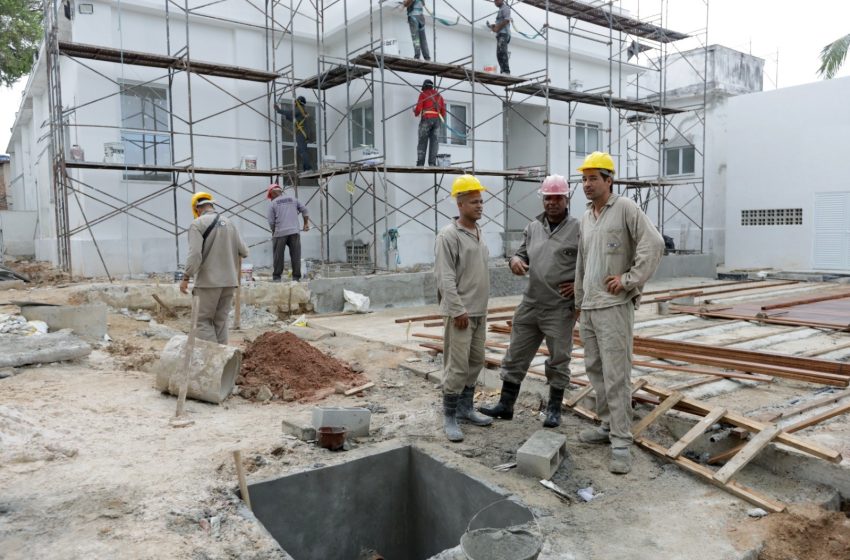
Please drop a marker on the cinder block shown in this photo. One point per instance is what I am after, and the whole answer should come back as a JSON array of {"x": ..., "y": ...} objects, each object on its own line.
[
  {"x": 87, "y": 321},
  {"x": 300, "y": 429},
  {"x": 542, "y": 454},
  {"x": 355, "y": 419}
]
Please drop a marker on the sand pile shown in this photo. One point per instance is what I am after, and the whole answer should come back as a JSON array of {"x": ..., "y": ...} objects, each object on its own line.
[{"x": 292, "y": 369}]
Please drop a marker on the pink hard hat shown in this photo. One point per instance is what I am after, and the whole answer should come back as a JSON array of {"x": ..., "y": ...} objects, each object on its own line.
[
  {"x": 272, "y": 187},
  {"x": 554, "y": 185}
]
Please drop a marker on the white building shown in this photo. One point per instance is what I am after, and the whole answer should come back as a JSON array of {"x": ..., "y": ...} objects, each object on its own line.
[
  {"x": 135, "y": 214},
  {"x": 789, "y": 178}
]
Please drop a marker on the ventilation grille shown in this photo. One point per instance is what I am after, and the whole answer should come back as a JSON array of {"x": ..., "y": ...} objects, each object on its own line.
[{"x": 772, "y": 217}]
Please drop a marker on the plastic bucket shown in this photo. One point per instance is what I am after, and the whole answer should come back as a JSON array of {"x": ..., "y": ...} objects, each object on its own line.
[
  {"x": 331, "y": 437},
  {"x": 500, "y": 544},
  {"x": 249, "y": 162},
  {"x": 247, "y": 273},
  {"x": 444, "y": 160}
]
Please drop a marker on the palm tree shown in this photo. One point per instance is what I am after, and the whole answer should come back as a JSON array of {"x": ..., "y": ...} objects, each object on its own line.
[{"x": 832, "y": 57}]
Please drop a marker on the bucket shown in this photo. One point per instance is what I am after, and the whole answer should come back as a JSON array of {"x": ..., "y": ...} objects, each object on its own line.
[
  {"x": 500, "y": 544},
  {"x": 391, "y": 47},
  {"x": 490, "y": 68},
  {"x": 249, "y": 162},
  {"x": 444, "y": 160},
  {"x": 212, "y": 369},
  {"x": 113, "y": 152},
  {"x": 331, "y": 437}
]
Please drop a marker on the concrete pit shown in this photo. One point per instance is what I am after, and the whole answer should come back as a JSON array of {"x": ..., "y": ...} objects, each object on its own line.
[{"x": 401, "y": 503}]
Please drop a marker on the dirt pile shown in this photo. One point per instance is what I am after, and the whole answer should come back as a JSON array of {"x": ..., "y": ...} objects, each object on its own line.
[
  {"x": 38, "y": 272},
  {"x": 291, "y": 369},
  {"x": 806, "y": 532}
]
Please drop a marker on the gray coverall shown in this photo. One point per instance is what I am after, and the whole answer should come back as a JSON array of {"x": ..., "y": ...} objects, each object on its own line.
[
  {"x": 543, "y": 313},
  {"x": 463, "y": 286},
  {"x": 621, "y": 241}
]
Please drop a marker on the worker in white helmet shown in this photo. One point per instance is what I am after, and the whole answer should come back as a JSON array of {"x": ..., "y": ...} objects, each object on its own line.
[{"x": 547, "y": 311}]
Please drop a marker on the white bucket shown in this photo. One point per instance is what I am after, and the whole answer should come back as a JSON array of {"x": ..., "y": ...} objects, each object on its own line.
[
  {"x": 249, "y": 162},
  {"x": 247, "y": 273},
  {"x": 444, "y": 160},
  {"x": 391, "y": 47}
]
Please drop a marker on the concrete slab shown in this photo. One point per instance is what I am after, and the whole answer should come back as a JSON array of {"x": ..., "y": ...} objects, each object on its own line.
[
  {"x": 308, "y": 333},
  {"x": 12, "y": 285},
  {"x": 355, "y": 419},
  {"x": 302, "y": 429},
  {"x": 542, "y": 454},
  {"x": 677, "y": 266},
  {"x": 429, "y": 371},
  {"x": 87, "y": 321}
]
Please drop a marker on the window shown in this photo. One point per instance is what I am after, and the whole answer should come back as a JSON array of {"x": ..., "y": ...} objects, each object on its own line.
[
  {"x": 362, "y": 126},
  {"x": 679, "y": 161},
  {"x": 587, "y": 138},
  {"x": 454, "y": 125},
  {"x": 310, "y": 126},
  {"x": 145, "y": 130},
  {"x": 772, "y": 217}
]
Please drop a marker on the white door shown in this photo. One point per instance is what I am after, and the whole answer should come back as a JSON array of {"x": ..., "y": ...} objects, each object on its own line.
[{"x": 832, "y": 231}]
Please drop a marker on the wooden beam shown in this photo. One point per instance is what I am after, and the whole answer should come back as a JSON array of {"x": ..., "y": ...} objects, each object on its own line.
[
  {"x": 808, "y": 422},
  {"x": 805, "y": 301},
  {"x": 576, "y": 398},
  {"x": 355, "y": 390},
  {"x": 747, "y": 454},
  {"x": 433, "y": 317},
  {"x": 659, "y": 410},
  {"x": 695, "y": 432}
]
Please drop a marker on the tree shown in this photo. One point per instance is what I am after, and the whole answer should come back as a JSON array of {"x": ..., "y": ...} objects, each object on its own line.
[
  {"x": 20, "y": 29},
  {"x": 832, "y": 57}
]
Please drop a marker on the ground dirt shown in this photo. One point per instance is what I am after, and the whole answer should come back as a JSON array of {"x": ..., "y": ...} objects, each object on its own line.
[
  {"x": 803, "y": 532},
  {"x": 91, "y": 468},
  {"x": 292, "y": 369}
]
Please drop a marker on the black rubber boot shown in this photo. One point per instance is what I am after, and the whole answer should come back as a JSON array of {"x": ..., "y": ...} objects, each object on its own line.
[
  {"x": 450, "y": 418},
  {"x": 553, "y": 409},
  {"x": 465, "y": 410},
  {"x": 505, "y": 407}
]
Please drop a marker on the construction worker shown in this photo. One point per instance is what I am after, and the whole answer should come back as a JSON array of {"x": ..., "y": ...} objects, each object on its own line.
[
  {"x": 502, "y": 29},
  {"x": 416, "y": 21},
  {"x": 433, "y": 110},
  {"x": 548, "y": 255},
  {"x": 215, "y": 247},
  {"x": 283, "y": 221},
  {"x": 301, "y": 124},
  {"x": 618, "y": 253},
  {"x": 463, "y": 287}
]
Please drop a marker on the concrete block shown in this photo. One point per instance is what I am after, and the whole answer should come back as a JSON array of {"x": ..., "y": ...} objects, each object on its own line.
[
  {"x": 355, "y": 419},
  {"x": 309, "y": 334},
  {"x": 300, "y": 429},
  {"x": 87, "y": 321},
  {"x": 542, "y": 454},
  {"x": 429, "y": 372},
  {"x": 12, "y": 285}
]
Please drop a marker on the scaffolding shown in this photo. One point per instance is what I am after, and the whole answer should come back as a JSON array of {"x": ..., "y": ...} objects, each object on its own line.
[{"x": 360, "y": 195}]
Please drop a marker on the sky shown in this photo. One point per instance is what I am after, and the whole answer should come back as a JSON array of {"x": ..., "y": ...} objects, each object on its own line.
[{"x": 790, "y": 32}]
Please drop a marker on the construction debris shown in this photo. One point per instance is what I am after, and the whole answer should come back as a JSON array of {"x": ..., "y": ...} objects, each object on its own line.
[{"x": 18, "y": 351}]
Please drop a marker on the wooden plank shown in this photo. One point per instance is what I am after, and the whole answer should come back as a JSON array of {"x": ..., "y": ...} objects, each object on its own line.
[
  {"x": 695, "y": 432},
  {"x": 805, "y": 301},
  {"x": 693, "y": 406},
  {"x": 808, "y": 422},
  {"x": 659, "y": 410},
  {"x": 574, "y": 399},
  {"x": 706, "y": 474},
  {"x": 747, "y": 454},
  {"x": 356, "y": 390},
  {"x": 433, "y": 317},
  {"x": 638, "y": 385}
]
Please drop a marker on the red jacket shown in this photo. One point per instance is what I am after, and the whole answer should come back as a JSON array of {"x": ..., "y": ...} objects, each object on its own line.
[{"x": 430, "y": 104}]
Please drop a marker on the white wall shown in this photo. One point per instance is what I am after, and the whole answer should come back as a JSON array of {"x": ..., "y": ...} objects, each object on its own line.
[
  {"x": 17, "y": 233},
  {"x": 783, "y": 147}
]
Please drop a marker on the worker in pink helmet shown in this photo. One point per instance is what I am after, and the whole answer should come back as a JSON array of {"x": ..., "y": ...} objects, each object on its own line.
[
  {"x": 547, "y": 311},
  {"x": 286, "y": 231}
]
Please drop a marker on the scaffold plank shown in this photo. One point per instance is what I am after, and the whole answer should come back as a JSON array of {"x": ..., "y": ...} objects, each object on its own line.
[
  {"x": 108, "y": 54},
  {"x": 598, "y": 99},
  {"x": 333, "y": 77},
  {"x": 342, "y": 170},
  {"x": 428, "y": 68},
  {"x": 172, "y": 169},
  {"x": 604, "y": 18}
]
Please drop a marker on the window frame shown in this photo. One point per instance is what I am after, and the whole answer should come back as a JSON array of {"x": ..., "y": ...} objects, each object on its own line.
[
  {"x": 454, "y": 140},
  {"x": 680, "y": 150},
  {"x": 159, "y": 133},
  {"x": 367, "y": 127},
  {"x": 582, "y": 127}
]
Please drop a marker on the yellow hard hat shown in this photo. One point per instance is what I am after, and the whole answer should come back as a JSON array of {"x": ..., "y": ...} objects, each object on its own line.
[
  {"x": 200, "y": 197},
  {"x": 598, "y": 160},
  {"x": 465, "y": 184}
]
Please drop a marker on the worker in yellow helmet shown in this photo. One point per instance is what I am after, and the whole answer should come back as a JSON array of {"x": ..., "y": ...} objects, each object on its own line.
[
  {"x": 215, "y": 247},
  {"x": 463, "y": 287},
  {"x": 619, "y": 250}
]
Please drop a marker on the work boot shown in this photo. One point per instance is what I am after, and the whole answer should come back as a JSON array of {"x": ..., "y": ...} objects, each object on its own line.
[
  {"x": 594, "y": 435},
  {"x": 466, "y": 411},
  {"x": 621, "y": 460},
  {"x": 450, "y": 418},
  {"x": 553, "y": 409},
  {"x": 504, "y": 409}
]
